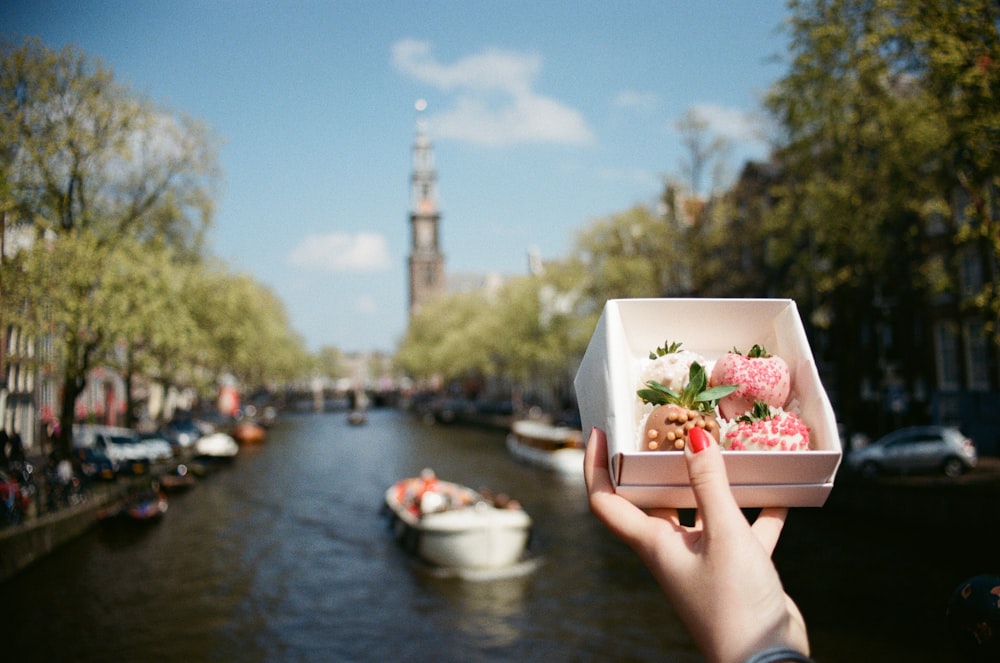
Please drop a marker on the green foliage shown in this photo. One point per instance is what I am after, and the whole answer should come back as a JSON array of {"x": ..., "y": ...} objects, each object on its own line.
[
  {"x": 889, "y": 107},
  {"x": 696, "y": 394},
  {"x": 526, "y": 328},
  {"x": 107, "y": 198}
]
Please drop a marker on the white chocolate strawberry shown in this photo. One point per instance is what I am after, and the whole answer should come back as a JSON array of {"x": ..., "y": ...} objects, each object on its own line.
[
  {"x": 670, "y": 365},
  {"x": 766, "y": 429},
  {"x": 760, "y": 375}
]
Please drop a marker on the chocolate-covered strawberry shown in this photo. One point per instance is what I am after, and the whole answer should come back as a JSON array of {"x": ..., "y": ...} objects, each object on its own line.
[
  {"x": 670, "y": 365},
  {"x": 676, "y": 413},
  {"x": 760, "y": 375},
  {"x": 765, "y": 428}
]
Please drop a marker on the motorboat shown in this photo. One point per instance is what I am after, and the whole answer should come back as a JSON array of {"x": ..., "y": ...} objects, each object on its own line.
[
  {"x": 249, "y": 432},
  {"x": 178, "y": 480},
  {"x": 452, "y": 526},
  {"x": 357, "y": 417},
  {"x": 216, "y": 445},
  {"x": 553, "y": 447},
  {"x": 144, "y": 506}
]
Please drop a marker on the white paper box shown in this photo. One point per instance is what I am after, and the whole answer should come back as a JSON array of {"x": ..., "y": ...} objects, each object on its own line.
[{"x": 608, "y": 378}]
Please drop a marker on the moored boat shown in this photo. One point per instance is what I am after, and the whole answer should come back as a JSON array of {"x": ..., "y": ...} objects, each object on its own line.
[
  {"x": 147, "y": 507},
  {"x": 357, "y": 417},
  {"x": 178, "y": 480},
  {"x": 216, "y": 445},
  {"x": 558, "y": 448},
  {"x": 248, "y": 432},
  {"x": 142, "y": 506},
  {"x": 452, "y": 526}
]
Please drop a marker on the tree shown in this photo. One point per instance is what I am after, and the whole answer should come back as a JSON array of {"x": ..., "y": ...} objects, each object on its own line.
[
  {"x": 86, "y": 163},
  {"x": 152, "y": 329},
  {"x": 702, "y": 151},
  {"x": 82, "y": 152},
  {"x": 953, "y": 49},
  {"x": 882, "y": 100},
  {"x": 246, "y": 329}
]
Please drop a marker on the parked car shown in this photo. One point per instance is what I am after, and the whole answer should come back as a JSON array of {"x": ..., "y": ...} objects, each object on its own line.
[
  {"x": 182, "y": 433},
  {"x": 157, "y": 446},
  {"x": 95, "y": 464},
  {"x": 917, "y": 449},
  {"x": 133, "y": 454}
]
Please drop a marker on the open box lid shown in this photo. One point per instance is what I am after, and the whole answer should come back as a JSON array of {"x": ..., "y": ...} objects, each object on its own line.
[{"x": 609, "y": 376}]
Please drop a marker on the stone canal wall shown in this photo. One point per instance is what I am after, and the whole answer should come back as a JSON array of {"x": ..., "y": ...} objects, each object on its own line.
[{"x": 21, "y": 545}]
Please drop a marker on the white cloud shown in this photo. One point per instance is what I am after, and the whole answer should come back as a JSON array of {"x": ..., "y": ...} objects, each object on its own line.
[
  {"x": 496, "y": 102},
  {"x": 731, "y": 123},
  {"x": 341, "y": 252}
]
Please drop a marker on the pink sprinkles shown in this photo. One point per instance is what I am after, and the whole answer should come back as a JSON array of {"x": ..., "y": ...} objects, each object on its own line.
[
  {"x": 757, "y": 378},
  {"x": 785, "y": 432}
]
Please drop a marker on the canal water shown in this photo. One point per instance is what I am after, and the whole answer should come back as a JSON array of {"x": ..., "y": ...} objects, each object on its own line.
[{"x": 283, "y": 556}]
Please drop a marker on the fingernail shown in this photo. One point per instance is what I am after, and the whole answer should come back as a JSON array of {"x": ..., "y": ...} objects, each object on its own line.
[{"x": 699, "y": 439}]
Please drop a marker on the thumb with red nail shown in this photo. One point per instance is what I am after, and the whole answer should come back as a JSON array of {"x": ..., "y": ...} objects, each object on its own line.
[{"x": 717, "y": 573}]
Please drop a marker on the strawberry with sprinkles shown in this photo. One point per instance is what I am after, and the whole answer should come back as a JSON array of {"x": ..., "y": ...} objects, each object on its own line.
[{"x": 766, "y": 428}]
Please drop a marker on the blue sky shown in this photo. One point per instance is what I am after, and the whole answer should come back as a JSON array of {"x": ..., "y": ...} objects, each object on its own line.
[{"x": 545, "y": 116}]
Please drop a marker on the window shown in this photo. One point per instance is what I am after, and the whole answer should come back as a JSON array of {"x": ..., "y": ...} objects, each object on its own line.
[
  {"x": 946, "y": 342},
  {"x": 977, "y": 357},
  {"x": 970, "y": 272}
]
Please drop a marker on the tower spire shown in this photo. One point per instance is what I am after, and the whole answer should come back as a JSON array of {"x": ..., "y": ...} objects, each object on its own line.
[
  {"x": 426, "y": 262},
  {"x": 423, "y": 179}
]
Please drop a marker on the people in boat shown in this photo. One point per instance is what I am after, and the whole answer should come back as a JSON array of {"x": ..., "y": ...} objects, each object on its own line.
[
  {"x": 421, "y": 494},
  {"x": 718, "y": 573},
  {"x": 427, "y": 494}
]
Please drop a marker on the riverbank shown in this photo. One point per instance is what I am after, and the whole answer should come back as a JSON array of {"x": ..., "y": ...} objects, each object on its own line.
[
  {"x": 37, "y": 536},
  {"x": 40, "y": 533}
]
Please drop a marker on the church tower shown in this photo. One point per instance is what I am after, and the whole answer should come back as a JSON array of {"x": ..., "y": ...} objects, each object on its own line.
[{"x": 426, "y": 262}]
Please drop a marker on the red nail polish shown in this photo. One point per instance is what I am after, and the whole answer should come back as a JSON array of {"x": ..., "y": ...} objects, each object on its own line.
[{"x": 699, "y": 439}]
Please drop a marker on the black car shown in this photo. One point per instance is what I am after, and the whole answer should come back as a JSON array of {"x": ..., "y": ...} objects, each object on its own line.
[{"x": 94, "y": 464}]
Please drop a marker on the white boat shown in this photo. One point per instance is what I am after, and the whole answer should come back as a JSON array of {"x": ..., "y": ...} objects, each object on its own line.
[
  {"x": 558, "y": 448},
  {"x": 454, "y": 527},
  {"x": 216, "y": 445}
]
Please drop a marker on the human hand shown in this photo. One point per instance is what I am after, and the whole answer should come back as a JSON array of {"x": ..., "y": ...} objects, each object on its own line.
[{"x": 718, "y": 573}]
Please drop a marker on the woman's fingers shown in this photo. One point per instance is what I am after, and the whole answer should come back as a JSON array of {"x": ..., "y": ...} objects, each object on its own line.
[
  {"x": 767, "y": 528},
  {"x": 624, "y": 519},
  {"x": 707, "y": 471}
]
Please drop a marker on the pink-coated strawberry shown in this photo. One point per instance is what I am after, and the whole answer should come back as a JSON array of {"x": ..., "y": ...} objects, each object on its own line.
[
  {"x": 766, "y": 429},
  {"x": 760, "y": 375}
]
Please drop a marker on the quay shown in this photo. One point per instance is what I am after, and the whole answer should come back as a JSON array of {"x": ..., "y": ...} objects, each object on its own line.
[{"x": 37, "y": 536}]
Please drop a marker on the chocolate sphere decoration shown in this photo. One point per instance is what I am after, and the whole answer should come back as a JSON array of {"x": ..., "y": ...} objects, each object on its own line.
[{"x": 667, "y": 427}]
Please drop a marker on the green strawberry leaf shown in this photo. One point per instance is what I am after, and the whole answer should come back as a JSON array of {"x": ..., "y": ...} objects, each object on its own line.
[
  {"x": 695, "y": 396},
  {"x": 716, "y": 393},
  {"x": 658, "y": 394},
  {"x": 760, "y": 412},
  {"x": 666, "y": 349}
]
